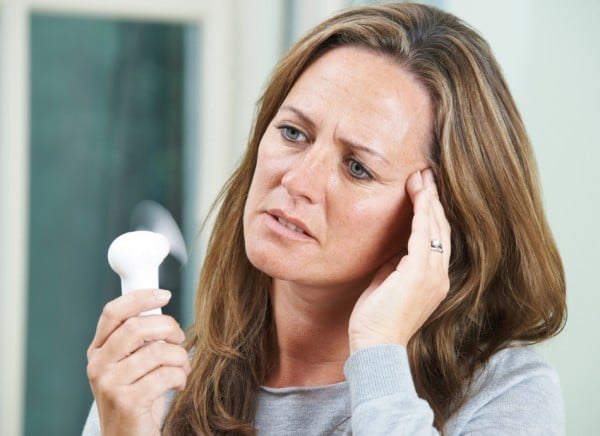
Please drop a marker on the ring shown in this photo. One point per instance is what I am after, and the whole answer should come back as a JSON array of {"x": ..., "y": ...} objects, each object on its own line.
[{"x": 436, "y": 245}]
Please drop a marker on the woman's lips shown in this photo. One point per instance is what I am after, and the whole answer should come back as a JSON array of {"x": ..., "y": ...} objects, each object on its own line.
[{"x": 290, "y": 226}]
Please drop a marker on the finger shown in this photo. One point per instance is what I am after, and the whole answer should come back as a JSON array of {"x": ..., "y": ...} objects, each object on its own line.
[
  {"x": 140, "y": 330},
  {"x": 154, "y": 384},
  {"x": 117, "y": 311},
  {"x": 445, "y": 231},
  {"x": 439, "y": 220},
  {"x": 148, "y": 358},
  {"x": 419, "y": 239},
  {"x": 436, "y": 258}
]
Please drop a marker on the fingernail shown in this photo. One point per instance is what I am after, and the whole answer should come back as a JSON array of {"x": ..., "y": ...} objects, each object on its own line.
[{"x": 162, "y": 295}]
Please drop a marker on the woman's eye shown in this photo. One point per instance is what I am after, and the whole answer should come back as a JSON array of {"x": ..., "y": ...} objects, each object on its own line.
[
  {"x": 292, "y": 134},
  {"x": 357, "y": 170}
]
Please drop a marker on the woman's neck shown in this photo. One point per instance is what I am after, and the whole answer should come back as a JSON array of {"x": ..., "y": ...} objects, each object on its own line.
[{"x": 311, "y": 334}]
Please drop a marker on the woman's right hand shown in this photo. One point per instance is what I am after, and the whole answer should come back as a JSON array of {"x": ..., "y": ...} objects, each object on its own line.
[{"x": 133, "y": 361}]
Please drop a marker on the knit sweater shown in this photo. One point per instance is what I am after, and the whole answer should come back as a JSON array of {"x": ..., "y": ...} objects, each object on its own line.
[{"x": 517, "y": 393}]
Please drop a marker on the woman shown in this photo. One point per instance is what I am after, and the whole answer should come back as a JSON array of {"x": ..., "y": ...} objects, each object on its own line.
[{"x": 380, "y": 261}]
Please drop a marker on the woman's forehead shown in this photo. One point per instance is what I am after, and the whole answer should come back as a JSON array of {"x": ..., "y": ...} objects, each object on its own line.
[{"x": 368, "y": 96}]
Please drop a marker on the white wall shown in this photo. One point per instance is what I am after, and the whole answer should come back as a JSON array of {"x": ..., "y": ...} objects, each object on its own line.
[{"x": 549, "y": 52}]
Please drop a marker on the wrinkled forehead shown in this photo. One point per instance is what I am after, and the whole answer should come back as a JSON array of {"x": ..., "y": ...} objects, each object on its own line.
[{"x": 369, "y": 96}]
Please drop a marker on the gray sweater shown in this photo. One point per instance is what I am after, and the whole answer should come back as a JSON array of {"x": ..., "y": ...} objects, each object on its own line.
[{"x": 517, "y": 393}]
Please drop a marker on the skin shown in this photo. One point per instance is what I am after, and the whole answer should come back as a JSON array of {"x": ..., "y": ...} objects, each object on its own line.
[{"x": 360, "y": 272}]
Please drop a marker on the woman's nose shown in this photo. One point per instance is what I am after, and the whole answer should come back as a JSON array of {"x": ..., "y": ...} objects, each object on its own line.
[{"x": 309, "y": 174}]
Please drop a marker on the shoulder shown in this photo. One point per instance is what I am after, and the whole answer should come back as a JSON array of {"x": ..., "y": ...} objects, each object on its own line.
[
  {"x": 517, "y": 392},
  {"x": 517, "y": 366}
]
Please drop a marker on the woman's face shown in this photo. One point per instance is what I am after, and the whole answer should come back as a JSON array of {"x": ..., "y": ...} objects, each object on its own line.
[{"x": 328, "y": 205}]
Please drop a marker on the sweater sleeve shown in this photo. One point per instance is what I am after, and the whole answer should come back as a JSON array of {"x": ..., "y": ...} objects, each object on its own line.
[
  {"x": 92, "y": 423},
  {"x": 517, "y": 393},
  {"x": 383, "y": 396}
]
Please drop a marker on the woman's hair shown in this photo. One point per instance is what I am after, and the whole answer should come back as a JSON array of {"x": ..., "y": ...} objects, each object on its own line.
[{"x": 506, "y": 278}]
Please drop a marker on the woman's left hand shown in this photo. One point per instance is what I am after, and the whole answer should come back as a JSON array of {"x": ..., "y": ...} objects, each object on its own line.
[{"x": 404, "y": 294}]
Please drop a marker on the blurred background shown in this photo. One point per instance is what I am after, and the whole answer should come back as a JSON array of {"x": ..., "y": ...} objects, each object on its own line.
[{"x": 104, "y": 104}]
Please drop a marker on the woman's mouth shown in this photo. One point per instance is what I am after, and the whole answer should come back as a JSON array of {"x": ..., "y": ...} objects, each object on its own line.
[{"x": 290, "y": 226}]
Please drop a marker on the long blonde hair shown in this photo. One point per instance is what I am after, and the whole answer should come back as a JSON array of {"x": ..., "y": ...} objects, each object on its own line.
[{"x": 507, "y": 281}]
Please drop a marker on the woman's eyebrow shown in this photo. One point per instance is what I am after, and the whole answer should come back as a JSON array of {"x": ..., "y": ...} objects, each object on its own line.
[
  {"x": 354, "y": 146},
  {"x": 305, "y": 118},
  {"x": 348, "y": 143}
]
